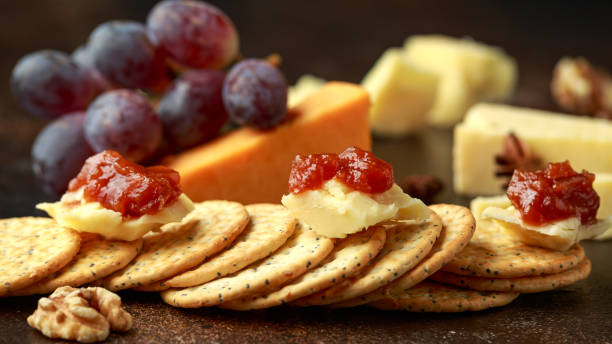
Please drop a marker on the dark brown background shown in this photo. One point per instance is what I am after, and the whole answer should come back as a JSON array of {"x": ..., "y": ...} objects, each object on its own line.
[{"x": 335, "y": 40}]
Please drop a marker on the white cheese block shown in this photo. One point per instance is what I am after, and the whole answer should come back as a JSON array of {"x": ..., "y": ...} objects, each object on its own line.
[
  {"x": 401, "y": 94},
  {"x": 585, "y": 142}
]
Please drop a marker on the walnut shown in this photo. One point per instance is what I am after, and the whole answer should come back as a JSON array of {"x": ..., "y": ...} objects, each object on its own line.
[
  {"x": 422, "y": 186},
  {"x": 85, "y": 315},
  {"x": 580, "y": 88}
]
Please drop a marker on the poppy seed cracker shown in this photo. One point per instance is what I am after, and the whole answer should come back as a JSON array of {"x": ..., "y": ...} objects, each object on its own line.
[
  {"x": 491, "y": 253},
  {"x": 432, "y": 297},
  {"x": 405, "y": 247},
  {"x": 303, "y": 251},
  {"x": 270, "y": 226},
  {"x": 33, "y": 248},
  {"x": 97, "y": 258},
  {"x": 213, "y": 225},
  {"x": 529, "y": 284},
  {"x": 458, "y": 227},
  {"x": 350, "y": 256}
]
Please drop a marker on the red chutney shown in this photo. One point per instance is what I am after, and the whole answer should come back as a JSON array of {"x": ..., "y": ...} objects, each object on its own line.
[
  {"x": 358, "y": 169},
  {"x": 123, "y": 186},
  {"x": 554, "y": 194}
]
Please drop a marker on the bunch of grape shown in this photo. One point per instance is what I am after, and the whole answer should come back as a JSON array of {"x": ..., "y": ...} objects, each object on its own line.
[{"x": 100, "y": 97}]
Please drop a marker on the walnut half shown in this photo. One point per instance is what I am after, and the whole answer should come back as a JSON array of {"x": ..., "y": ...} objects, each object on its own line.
[
  {"x": 579, "y": 87},
  {"x": 85, "y": 315}
]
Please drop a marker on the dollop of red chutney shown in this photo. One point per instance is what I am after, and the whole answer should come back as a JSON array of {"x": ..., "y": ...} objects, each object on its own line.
[
  {"x": 356, "y": 168},
  {"x": 123, "y": 186},
  {"x": 554, "y": 194}
]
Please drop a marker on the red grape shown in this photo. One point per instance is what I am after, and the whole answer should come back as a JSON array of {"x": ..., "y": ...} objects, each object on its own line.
[
  {"x": 82, "y": 57},
  {"x": 49, "y": 84},
  {"x": 193, "y": 33},
  {"x": 124, "y": 54},
  {"x": 255, "y": 94},
  {"x": 192, "y": 109},
  {"x": 59, "y": 152},
  {"x": 123, "y": 121}
]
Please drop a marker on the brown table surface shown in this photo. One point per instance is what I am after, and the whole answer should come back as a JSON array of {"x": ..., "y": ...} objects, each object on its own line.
[{"x": 336, "y": 40}]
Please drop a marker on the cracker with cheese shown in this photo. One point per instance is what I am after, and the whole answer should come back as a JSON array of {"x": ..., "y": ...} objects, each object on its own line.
[
  {"x": 340, "y": 194},
  {"x": 119, "y": 199},
  {"x": 553, "y": 208}
]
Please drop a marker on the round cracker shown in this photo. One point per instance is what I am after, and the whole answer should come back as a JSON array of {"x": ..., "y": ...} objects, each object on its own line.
[
  {"x": 432, "y": 297},
  {"x": 164, "y": 254},
  {"x": 458, "y": 227},
  {"x": 97, "y": 258},
  {"x": 33, "y": 248},
  {"x": 490, "y": 253},
  {"x": 303, "y": 251},
  {"x": 405, "y": 247},
  {"x": 531, "y": 284},
  {"x": 270, "y": 226},
  {"x": 348, "y": 258}
]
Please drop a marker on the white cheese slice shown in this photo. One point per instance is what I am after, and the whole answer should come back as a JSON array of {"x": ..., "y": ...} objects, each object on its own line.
[
  {"x": 479, "y": 204},
  {"x": 74, "y": 212},
  {"x": 336, "y": 210},
  {"x": 559, "y": 235}
]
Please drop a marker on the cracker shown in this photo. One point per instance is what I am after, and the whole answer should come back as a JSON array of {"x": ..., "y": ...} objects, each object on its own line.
[
  {"x": 458, "y": 228},
  {"x": 303, "y": 251},
  {"x": 432, "y": 297},
  {"x": 531, "y": 284},
  {"x": 173, "y": 251},
  {"x": 493, "y": 254},
  {"x": 349, "y": 257},
  {"x": 97, "y": 258},
  {"x": 271, "y": 225},
  {"x": 406, "y": 246},
  {"x": 32, "y": 248}
]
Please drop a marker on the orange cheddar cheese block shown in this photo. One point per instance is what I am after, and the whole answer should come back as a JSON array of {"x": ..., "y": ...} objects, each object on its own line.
[{"x": 251, "y": 166}]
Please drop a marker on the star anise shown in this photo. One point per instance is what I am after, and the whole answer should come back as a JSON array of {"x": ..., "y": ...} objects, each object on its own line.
[
  {"x": 516, "y": 155},
  {"x": 422, "y": 186}
]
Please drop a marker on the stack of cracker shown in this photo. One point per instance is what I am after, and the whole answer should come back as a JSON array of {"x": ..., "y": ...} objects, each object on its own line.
[{"x": 258, "y": 256}]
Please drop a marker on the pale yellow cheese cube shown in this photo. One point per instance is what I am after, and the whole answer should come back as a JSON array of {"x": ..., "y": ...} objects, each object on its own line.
[
  {"x": 469, "y": 72},
  {"x": 305, "y": 86},
  {"x": 401, "y": 94}
]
